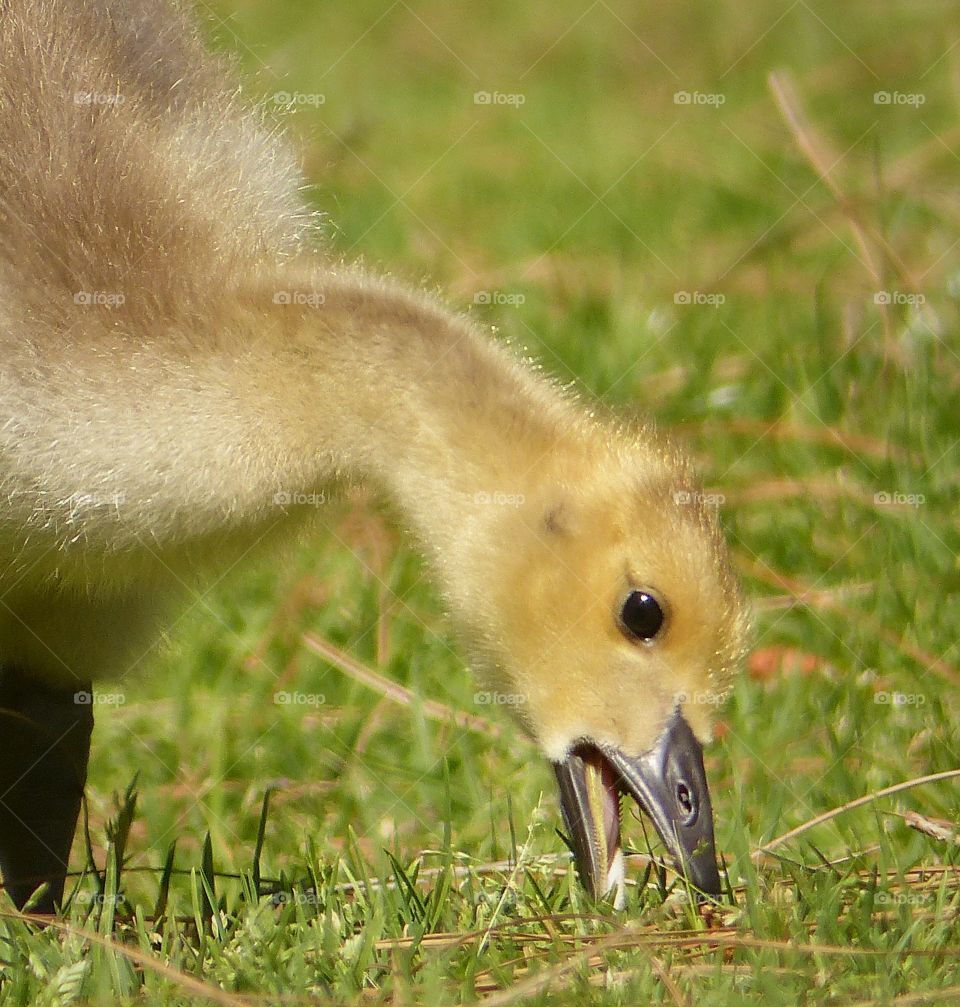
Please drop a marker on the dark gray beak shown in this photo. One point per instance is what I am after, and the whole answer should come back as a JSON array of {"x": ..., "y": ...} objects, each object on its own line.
[{"x": 669, "y": 784}]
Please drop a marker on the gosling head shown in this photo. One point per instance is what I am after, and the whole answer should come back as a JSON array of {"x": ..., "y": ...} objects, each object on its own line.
[{"x": 616, "y": 620}]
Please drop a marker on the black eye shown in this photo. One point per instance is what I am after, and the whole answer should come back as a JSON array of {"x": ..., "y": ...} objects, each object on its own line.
[{"x": 641, "y": 615}]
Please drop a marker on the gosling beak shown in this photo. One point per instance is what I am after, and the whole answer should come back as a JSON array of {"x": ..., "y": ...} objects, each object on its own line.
[{"x": 670, "y": 785}]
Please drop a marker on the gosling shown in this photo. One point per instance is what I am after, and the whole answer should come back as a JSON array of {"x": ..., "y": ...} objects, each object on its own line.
[{"x": 177, "y": 354}]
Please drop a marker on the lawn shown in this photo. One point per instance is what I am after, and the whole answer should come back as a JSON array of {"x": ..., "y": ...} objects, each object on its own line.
[{"x": 740, "y": 219}]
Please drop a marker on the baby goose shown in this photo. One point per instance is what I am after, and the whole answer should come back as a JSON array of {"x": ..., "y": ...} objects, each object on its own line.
[{"x": 176, "y": 358}]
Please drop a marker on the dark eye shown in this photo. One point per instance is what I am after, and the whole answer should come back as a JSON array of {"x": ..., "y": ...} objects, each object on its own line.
[{"x": 641, "y": 615}]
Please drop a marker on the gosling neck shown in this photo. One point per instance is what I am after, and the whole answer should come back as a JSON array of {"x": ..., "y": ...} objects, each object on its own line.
[{"x": 419, "y": 401}]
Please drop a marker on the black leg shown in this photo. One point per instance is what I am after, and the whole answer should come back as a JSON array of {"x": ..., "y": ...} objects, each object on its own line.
[{"x": 45, "y": 745}]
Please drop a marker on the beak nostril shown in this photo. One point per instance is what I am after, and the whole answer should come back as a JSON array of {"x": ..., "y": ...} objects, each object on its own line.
[{"x": 686, "y": 803}]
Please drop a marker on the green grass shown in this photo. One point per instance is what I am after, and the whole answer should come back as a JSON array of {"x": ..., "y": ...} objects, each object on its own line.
[{"x": 438, "y": 873}]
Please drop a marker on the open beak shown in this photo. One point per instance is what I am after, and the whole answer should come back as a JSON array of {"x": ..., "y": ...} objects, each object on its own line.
[{"x": 669, "y": 784}]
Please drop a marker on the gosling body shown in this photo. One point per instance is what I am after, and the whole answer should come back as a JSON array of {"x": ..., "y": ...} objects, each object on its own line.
[{"x": 181, "y": 362}]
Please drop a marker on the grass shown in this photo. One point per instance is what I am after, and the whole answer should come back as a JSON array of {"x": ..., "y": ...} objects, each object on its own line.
[{"x": 770, "y": 269}]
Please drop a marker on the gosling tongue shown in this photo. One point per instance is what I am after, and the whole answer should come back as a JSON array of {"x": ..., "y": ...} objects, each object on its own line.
[
  {"x": 590, "y": 803},
  {"x": 669, "y": 783}
]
